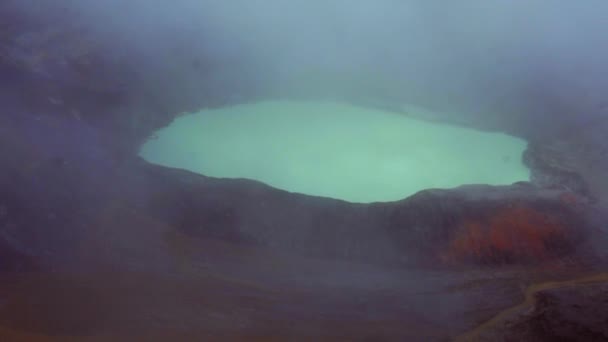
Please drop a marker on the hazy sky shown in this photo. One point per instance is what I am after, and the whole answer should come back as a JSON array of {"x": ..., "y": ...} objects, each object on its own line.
[{"x": 477, "y": 55}]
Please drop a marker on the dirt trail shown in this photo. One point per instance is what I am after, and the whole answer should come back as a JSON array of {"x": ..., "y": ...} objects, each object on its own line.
[{"x": 475, "y": 334}]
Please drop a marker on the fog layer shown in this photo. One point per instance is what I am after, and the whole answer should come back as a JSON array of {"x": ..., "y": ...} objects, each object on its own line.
[{"x": 519, "y": 59}]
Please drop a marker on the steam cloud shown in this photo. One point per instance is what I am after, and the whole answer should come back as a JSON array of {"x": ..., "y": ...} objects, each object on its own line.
[{"x": 528, "y": 59}]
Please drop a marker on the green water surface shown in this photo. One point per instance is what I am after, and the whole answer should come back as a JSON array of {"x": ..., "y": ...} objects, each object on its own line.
[{"x": 335, "y": 150}]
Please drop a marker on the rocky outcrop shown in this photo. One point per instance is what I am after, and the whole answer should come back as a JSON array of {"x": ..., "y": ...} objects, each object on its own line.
[{"x": 547, "y": 171}]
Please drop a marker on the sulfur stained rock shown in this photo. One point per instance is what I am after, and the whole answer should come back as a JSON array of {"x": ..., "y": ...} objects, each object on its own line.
[{"x": 513, "y": 233}]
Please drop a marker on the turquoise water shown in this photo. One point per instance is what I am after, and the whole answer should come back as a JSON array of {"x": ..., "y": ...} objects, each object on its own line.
[{"x": 335, "y": 150}]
